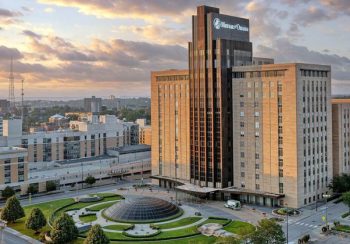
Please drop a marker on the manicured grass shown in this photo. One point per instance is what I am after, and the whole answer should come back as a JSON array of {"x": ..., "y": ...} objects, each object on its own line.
[
  {"x": 163, "y": 235},
  {"x": 47, "y": 208},
  {"x": 181, "y": 222},
  {"x": 116, "y": 227},
  {"x": 239, "y": 227},
  {"x": 101, "y": 206},
  {"x": 343, "y": 228},
  {"x": 88, "y": 218},
  {"x": 80, "y": 205},
  {"x": 217, "y": 221}
]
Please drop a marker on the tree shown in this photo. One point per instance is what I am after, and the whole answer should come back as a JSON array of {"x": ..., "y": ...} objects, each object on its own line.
[
  {"x": 268, "y": 232},
  {"x": 63, "y": 230},
  {"x": 340, "y": 184},
  {"x": 346, "y": 198},
  {"x": 90, "y": 180},
  {"x": 8, "y": 192},
  {"x": 32, "y": 189},
  {"x": 51, "y": 186},
  {"x": 36, "y": 220},
  {"x": 96, "y": 236},
  {"x": 12, "y": 210}
]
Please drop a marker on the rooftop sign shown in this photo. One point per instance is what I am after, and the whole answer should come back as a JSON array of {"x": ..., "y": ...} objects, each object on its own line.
[{"x": 217, "y": 23}]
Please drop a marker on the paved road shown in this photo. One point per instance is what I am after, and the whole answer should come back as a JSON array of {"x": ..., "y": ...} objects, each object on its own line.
[{"x": 312, "y": 222}]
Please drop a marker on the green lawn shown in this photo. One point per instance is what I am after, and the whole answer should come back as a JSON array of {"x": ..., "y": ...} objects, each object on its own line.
[
  {"x": 343, "y": 228},
  {"x": 181, "y": 222},
  {"x": 88, "y": 218},
  {"x": 217, "y": 221},
  {"x": 166, "y": 234},
  {"x": 116, "y": 227},
  {"x": 239, "y": 227},
  {"x": 101, "y": 206},
  {"x": 80, "y": 205},
  {"x": 47, "y": 208}
]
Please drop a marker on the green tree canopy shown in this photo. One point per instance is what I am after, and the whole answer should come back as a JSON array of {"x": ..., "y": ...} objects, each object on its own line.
[
  {"x": 96, "y": 236},
  {"x": 63, "y": 230},
  {"x": 346, "y": 198},
  {"x": 50, "y": 186},
  {"x": 340, "y": 184},
  {"x": 268, "y": 232},
  {"x": 12, "y": 210},
  {"x": 36, "y": 220},
  {"x": 90, "y": 180},
  {"x": 8, "y": 192}
]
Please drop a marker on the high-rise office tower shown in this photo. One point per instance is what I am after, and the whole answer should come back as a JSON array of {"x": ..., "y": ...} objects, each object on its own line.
[{"x": 218, "y": 43}]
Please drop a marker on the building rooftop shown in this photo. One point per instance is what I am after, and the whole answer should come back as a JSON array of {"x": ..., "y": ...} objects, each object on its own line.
[
  {"x": 133, "y": 149},
  {"x": 12, "y": 149}
]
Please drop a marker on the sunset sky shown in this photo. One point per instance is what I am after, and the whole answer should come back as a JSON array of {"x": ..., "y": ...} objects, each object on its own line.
[{"x": 77, "y": 48}]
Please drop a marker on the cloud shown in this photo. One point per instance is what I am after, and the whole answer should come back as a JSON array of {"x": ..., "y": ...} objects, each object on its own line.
[
  {"x": 340, "y": 6},
  {"x": 9, "y": 17},
  {"x": 312, "y": 15},
  {"x": 31, "y": 34},
  {"x": 49, "y": 10},
  {"x": 8, "y": 53},
  {"x": 284, "y": 51},
  {"x": 144, "y": 9}
]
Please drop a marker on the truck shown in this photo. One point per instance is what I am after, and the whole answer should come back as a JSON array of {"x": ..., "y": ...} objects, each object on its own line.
[{"x": 233, "y": 204}]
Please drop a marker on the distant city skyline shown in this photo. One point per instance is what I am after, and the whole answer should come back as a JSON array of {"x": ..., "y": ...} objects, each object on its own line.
[{"x": 74, "y": 48}]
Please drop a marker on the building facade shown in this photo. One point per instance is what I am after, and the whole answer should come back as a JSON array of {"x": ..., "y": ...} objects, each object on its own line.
[
  {"x": 341, "y": 135},
  {"x": 282, "y": 133},
  {"x": 92, "y": 104},
  {"x": 13, "y": 165},
  {"x": 218, "y": 43},
  {"x": 83, "y": 139},
  {"x": 170, "y": 124}
]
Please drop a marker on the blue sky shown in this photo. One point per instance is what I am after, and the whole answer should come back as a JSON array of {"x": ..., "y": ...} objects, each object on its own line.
[{"x": 74, "y": 48}]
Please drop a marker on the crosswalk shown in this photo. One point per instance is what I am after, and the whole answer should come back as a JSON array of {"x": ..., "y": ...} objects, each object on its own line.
[{"x": 306, "y": 225}]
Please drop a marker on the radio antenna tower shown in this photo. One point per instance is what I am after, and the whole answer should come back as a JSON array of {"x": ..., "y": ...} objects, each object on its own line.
[
  {"x": 22, "y": 105},
  {"x": 11, "y": 87}
]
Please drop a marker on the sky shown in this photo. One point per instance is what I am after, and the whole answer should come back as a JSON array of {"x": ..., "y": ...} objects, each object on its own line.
[{"x": 79, "y": 48}]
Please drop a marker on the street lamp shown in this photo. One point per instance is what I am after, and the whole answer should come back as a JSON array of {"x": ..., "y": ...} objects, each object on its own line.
[
  {"x": 287, "y": 222},
  {"x": 3, "y": 225},
  {"x": 326, "y": 196}
]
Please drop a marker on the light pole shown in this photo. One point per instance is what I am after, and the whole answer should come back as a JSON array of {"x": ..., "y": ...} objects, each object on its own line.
[
  {"x": 287, "y": 222},
  {"x": 3, "y": 225},
  {"x": 326, "y": 196}
]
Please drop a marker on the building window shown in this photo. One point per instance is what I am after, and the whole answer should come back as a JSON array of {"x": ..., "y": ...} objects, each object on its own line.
[
  {"x": 281, "y": 188},
  {"x": 242, "y": 174}
]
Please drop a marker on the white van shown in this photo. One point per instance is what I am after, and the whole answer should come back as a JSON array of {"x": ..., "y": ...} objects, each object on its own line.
[{"x": 233, "y": 204}]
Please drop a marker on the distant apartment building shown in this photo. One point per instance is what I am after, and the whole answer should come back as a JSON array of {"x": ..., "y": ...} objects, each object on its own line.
[
  {"x": 282, "y": 130},
  {"x": 4, "y": 106},
  {"x": 13, "y": 167},
  {"x": 261, "y": 61},
  {"x": 92, "y": 104},
  {"x": 145, "y": 132},
  {"x": 341, "y": 135},
  {"x": 170, "y": 125},
  {"x": 83, "y": 139}
]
